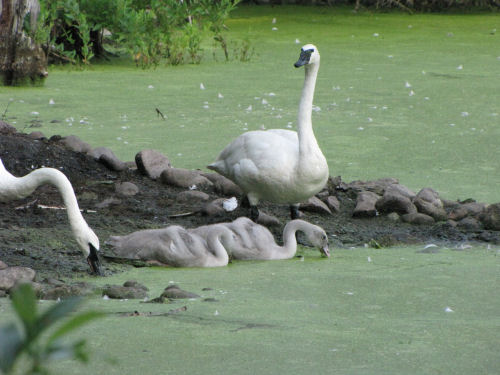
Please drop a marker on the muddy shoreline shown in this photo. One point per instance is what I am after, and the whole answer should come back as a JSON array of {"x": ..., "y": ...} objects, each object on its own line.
[{"x": 40, "y": 238}]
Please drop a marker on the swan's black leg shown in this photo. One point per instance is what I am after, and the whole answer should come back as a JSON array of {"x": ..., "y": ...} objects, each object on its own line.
[
  {"x": 294, "y": 211},
  {"x": 254, "y": 213}
]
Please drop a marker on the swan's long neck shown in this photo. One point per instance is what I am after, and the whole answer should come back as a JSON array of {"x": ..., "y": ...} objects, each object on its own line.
[
  {"x": 289, "y": 247},
  {"x": 307, "y": 141},
  {"x": 215, "y": 237},
  {"x": 24, "y": 186}
]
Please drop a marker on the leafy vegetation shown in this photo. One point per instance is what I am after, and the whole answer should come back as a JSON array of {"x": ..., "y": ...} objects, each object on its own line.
[
  {"x": 149, "y": 30},
  {"x": 16, "y": 343}
]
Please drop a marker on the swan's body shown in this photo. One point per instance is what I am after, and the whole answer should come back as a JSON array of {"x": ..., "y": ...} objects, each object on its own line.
[
  {"x": 254, "y": 241},
  {"x": 12, "y": 188},
  {"x": 278, "y": 165},
  {"x": 175, "y": 246}
]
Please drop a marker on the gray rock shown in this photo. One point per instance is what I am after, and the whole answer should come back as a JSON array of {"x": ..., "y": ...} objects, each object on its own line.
[
  {"x": 135, "y": 284},
  {"x": 6, "y": 128},
  {"x": 184, "y": 178},
  {"x": 449, "y": 205},
  {"x": 54, "y": 292},
  {"x": 474, "y": 208},
  {"x": 151, "y": 163},
  {"x": 126, "y": 189},
  {"x": 469, "y": 223},
  {"x": 458, "y": 213},
  {"x": 365, "y": 204},
  {"x": 74, "y": 143},
  {"x": 378, "y": 186},
  {"x": 125, "y": 292},
  {"x": 13, "y": 275},
  {"x": 400, "y": 189},
  {"x": 174, "y": 292},
  {"x": 112, "y": 162},
  {"x": 466, "y": 209},
  {"x": 214, "y": 208},
  {"x": 395, "y": 202},
  {"x": 192, "y": 196},
  {"x": 315, "y": 204},
  {"x": 428, "y": 202},
  {"x": 333, "y": 203},
  {"x": 37, "y": 135},
  {"x": 223, "y": 185},
  {"x": 417, "y": 218},
  {"x": 491, "y": 217},
  {"x": 107, "y": 157},
  {"x": 3, "y": 265}
]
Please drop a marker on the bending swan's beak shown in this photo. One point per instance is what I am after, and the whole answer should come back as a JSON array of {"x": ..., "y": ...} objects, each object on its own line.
[
  {"x": 94, "y": 262},
  {"x": 325, "y": 251}
]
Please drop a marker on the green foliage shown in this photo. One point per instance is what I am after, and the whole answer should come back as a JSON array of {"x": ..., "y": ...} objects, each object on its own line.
[
  {"x": 149, "y": 30},
  {"x": 15, "y": 342}
]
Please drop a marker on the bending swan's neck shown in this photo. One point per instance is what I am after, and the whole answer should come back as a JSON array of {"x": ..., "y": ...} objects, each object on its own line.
[
  {"x": 289, "y": 240},
  {"x": 307, "y": 141},
  {"x": 29, "y": 183},
  {"x": 215, "y": 239}
]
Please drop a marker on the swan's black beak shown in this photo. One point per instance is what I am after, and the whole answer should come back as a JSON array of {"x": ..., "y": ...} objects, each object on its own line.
[
  {"x": 94, "y": 262},
  {"x": 304, "y": 58},
  {"x": 325, "y": 251}
]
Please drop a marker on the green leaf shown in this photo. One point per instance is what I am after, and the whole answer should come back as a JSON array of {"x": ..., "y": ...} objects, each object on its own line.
[
  {"x": 75, "y": 350},
  {"x": 11, "y": 342},
  {"x": 54, "y": 314},
  {"x": 24, "y": 303},
  {"x": 74, "y": 323}
]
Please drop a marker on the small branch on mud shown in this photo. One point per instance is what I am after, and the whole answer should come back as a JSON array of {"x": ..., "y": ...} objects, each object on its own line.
[
  {"x": 184, "y": 214},
  {"x": 28, "y": 205},
  {"x": 42, "y": 206}
]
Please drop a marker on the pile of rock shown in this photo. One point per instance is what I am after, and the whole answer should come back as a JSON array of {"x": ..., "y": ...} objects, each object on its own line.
[
  {"x": 388, "y": 197},
  {"x": 48, "y": 289},
  {"x": 373, "y": 198}
]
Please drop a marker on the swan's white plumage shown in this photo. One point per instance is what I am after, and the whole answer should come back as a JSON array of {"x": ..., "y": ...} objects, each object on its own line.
[
  {"x": 12, "y": 188},
  {"x": 279, "y": 165},
  {"x": 254, "y": 241},
  {"x": 175, "y": 246}
]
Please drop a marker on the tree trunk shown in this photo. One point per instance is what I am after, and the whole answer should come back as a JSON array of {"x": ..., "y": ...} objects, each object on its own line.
[{"x": 22, "y": 61}]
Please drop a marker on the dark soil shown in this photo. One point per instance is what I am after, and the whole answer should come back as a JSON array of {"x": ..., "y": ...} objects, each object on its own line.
[{"x": 41, "y": 238}]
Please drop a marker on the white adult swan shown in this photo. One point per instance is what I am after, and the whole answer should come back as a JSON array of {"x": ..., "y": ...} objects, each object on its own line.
[
  {"x": 278, "y": 165},
  {"x": 254, "y": 241},
  {"x": 12, "y": 188},
  {"x": 175, "y": 246}
]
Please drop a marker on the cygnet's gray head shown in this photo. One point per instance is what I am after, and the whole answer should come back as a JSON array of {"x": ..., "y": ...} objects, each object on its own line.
[
  {"x": 319, "y": 239},
  {"x": 308, "y": 55}
]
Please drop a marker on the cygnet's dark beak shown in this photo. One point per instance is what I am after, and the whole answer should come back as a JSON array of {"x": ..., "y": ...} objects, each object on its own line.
[
  {"x": 94, "y": 262},
  {"x": 325, "y": 251}
]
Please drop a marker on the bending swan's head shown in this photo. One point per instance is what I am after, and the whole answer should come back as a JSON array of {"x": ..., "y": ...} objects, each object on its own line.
[
  {"x": 89, "y": 243},
  {"x": 308, "y": 55},
  {"x": 318, "y": 238}
]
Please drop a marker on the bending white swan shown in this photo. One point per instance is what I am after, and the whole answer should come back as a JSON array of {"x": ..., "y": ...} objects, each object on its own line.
[
  {"x": 175, "y": 246},
  {"x": 12, "y": 188},
  {"x": 278, "y": 165},
  {"x": 254, "y": 241}
]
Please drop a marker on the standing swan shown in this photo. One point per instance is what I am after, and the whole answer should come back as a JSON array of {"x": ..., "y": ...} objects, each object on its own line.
[
  {"x": 12, "y": 188},
  {"x": 278, "y": 165},
  {"x": 254, "y": 241},
  {"x": 175, "y": 246}
]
